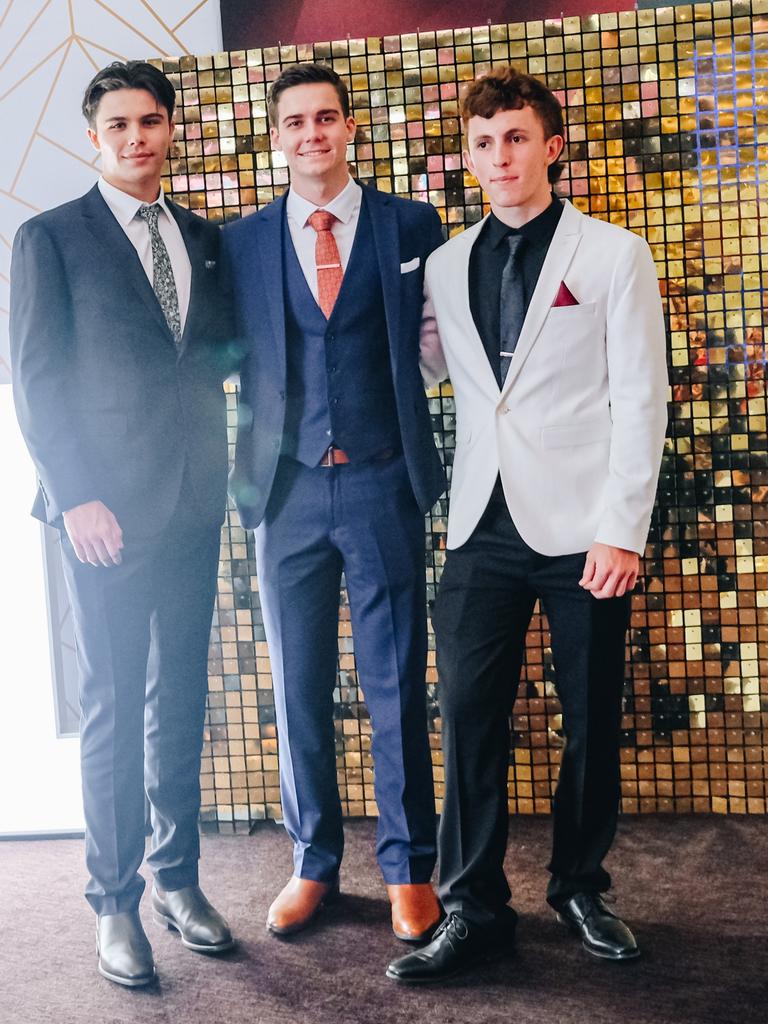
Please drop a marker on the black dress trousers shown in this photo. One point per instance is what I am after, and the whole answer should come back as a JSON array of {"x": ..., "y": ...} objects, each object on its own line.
[{"x": 484, "y": 605}]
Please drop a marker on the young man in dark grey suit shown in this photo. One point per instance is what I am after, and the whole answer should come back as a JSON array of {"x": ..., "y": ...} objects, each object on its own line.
[{"x": 119, "y": 347}]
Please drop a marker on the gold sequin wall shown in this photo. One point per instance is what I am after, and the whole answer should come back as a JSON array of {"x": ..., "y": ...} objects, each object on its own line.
[{"x": 667, "y": 114}]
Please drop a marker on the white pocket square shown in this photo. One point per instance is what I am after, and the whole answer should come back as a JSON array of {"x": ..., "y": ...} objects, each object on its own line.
[{"x": 406, "y": 268}]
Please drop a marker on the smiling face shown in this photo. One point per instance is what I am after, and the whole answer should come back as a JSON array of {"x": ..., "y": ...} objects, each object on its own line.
[
  {"x": 313, "y": 134},
  {"x": 509, "y": 155},
  {"x": 133, "y": 134}
]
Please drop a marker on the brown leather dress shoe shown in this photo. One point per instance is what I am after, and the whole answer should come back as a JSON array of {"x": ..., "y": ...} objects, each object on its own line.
[
  {"x": 298, "y": 903},
  {"x": 415, "y": 911}
]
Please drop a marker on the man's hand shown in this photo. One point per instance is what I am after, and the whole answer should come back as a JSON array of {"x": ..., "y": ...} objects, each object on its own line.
[
  {"x": 95, "y": 533},
  {"x": 609, "y": 572}
]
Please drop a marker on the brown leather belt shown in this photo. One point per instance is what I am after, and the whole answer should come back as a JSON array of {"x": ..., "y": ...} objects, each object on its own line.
[{"x": 336, "y": 457}]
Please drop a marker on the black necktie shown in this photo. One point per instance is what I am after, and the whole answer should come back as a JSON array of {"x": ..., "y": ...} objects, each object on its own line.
[{"x": 511, "y": 305}]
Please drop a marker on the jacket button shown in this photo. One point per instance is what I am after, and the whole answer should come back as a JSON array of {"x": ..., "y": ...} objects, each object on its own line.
[
  {"x": 335, "y": 401},
  {"x": 505, "y": 410}
]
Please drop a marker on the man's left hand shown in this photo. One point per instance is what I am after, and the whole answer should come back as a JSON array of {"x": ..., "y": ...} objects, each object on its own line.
[{"x": 609, "y": 571}]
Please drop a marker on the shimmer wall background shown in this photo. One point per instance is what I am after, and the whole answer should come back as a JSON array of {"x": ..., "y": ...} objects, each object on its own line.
[{"x": 667, "y": 114}]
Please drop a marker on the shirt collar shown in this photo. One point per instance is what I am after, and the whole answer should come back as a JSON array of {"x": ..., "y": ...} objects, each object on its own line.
[
  {"x": 344, "y": 206},
  {"x": 538, "y": 231},
  {"x": 123, "y": 206}
]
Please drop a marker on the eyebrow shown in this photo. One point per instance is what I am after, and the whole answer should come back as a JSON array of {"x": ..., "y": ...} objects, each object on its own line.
[
  {"x": 318, "y": 113},
  {"x": 509, "y": 131},
  {"x": 125, "y": 117}
]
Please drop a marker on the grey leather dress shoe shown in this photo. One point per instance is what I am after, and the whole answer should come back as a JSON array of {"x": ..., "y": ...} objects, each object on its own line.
[
  {"x": 188, "y": 912},
  {"x": 603, "y": 934},
  {"x": 125, "y": 955}
]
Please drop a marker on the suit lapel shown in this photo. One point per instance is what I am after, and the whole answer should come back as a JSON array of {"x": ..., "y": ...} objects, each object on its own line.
[
  {"x": 386, "y": 238},
  {"x": 267, "y": 245},
  {"x": 561, "y": 250},
  {"x": 191, "y": 232},
  {"x": 459, "y": 286},
  {"x": 120, "y": 253}
]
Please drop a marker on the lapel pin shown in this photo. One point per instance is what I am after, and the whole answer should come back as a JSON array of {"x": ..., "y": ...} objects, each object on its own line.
[{"x": 210, "y": 264}]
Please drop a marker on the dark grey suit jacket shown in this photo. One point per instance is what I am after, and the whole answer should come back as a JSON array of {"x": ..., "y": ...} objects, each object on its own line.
[{"x": 108, "y": 406}]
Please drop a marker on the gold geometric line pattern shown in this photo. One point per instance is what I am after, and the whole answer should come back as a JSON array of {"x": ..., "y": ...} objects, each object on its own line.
[
  {"x": 40, "y": 118},
  {"x": 104, "y": 49},
  {"x": 5, "y": 366},
  {"x": 26, "y": 32},
  {"x": 17, "y": 199},
  {"x": 37, "y": 67},
  {"x": 69, "y": 152},
  {"x": 120, "y": 18},
  {"x": 6, "y": 12},
  {"x": 79, "y": 41},
  {"x": 187, "y": 16},
  {"x": 160, "y": 21}
]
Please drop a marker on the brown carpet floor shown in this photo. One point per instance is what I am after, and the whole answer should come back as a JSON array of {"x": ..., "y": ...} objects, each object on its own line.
[{"x": 693, "y": 888}]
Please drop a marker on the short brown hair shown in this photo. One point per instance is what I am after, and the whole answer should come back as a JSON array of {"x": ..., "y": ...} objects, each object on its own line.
[
  {"x": 305, "y": 74},
  {"x": 509, "y": 89}
]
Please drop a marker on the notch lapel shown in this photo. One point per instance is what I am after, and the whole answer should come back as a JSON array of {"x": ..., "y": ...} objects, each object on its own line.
[
  {"x": 561, "y": 250},
  {"x": 386, "y": 238},
  {"x": 195, "y": 244},
  {"x": 120, "y": 253},
  {"x": 267, "y": 241},
  {"x": 459, "y": 286}
]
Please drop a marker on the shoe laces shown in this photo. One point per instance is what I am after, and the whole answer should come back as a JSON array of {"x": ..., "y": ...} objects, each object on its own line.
[{"x": 455, "y": 924}]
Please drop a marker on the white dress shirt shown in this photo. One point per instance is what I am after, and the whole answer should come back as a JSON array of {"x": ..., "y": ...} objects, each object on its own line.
[
  {"x": 125, "y": 209},
  {"x": 345, "y": 207}
]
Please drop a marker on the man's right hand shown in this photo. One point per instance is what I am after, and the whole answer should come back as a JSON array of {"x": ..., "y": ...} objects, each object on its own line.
[{"x": 95, "y": 533}]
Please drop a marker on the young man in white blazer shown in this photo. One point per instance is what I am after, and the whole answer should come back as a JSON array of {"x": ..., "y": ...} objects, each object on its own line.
[{"x": 550, "y": 327}]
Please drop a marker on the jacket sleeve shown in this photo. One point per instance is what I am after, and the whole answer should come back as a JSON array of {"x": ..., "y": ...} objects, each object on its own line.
[
  {"x": 637, "y": 386},
  {"x": 431, "y": 358},
  {"x": 41, "y": 360}
]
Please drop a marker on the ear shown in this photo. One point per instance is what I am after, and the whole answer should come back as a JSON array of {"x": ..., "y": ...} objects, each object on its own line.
[
  {"x": 94, "y": 139},
  {"x": 274, "y": 136},
  {"x": 468, "y": 162},
  {"x": 555, "y": 145},
  {"x": 351, "y": 128}
]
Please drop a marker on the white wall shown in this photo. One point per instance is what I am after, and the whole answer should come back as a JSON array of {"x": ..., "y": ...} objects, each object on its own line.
[{"x": 49, "y": 50}]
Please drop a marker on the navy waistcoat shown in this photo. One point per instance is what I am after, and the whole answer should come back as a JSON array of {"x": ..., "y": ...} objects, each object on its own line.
[{"x": 339, "y": 377}]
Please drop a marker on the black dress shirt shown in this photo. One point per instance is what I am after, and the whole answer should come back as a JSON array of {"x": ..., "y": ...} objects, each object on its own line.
[{"x": 486, "y": 266}]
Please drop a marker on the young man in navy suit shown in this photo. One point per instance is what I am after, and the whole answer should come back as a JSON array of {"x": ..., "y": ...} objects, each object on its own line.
[
  {"x": 119, "y": 344},
  {"x": 335, "y": 469}
]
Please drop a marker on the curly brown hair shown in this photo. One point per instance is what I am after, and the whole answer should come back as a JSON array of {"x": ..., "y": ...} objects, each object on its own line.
[{"x": 509, "y": 89}]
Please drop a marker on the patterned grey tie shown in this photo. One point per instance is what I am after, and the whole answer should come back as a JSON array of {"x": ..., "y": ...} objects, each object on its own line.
[
  {"x": 162, "y": 272},
  {"x": 511, "y": 305}
]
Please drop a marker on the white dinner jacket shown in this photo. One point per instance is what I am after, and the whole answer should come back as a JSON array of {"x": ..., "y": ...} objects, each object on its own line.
[{"x": 577, "y": 429}]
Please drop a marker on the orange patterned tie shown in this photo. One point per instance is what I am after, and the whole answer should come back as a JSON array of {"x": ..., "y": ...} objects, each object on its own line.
[{"x": 327, "y": 261}]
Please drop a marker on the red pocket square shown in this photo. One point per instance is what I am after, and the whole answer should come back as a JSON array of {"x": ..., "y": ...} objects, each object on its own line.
[{"x": 564, "y": 297}]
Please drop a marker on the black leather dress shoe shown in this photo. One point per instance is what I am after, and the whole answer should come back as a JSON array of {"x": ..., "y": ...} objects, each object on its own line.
[
  {"x": 602, "y": 933},
  {"x": 125, "y": 955},
  {"x": 457, "y": 945},
  {"x": 188, "y": 912}
]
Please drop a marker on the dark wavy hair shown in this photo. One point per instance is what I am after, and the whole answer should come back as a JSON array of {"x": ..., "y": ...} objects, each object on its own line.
[
  {"x": 509, "y": 89},
  {"x": 133, "y": 74}
]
